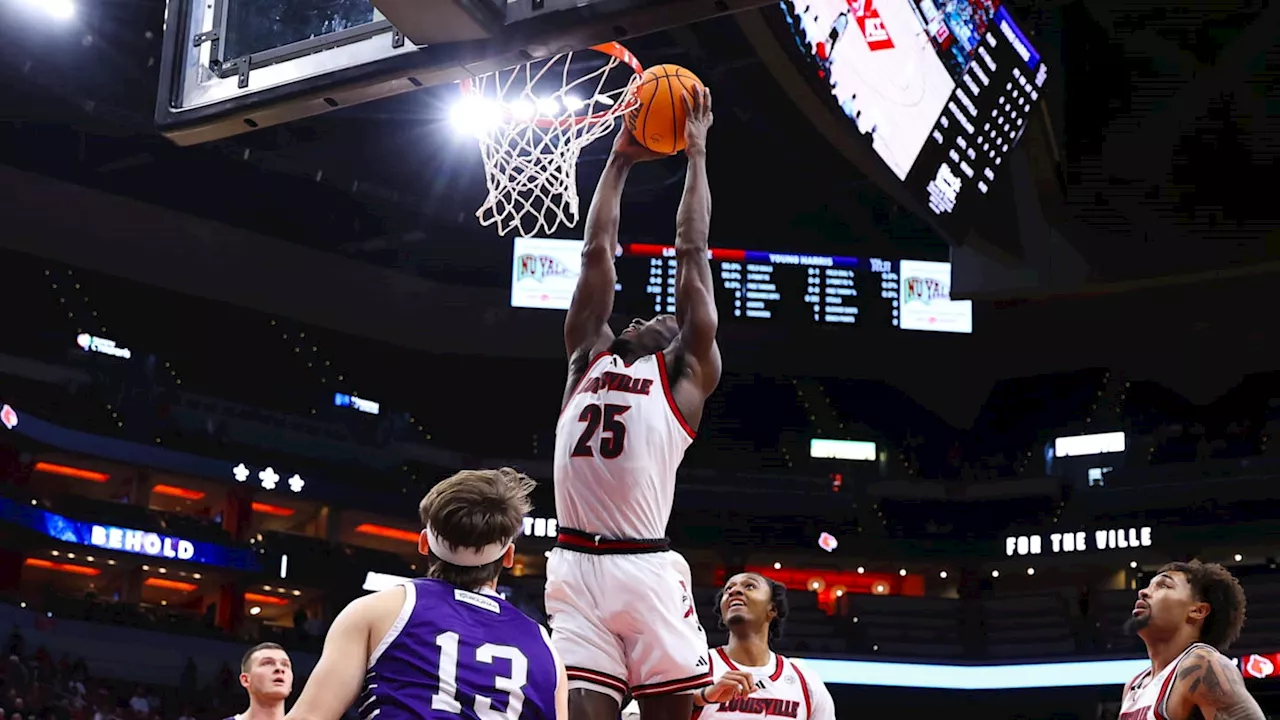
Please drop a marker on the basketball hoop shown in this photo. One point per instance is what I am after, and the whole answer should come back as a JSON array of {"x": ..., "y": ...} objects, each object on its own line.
[{"x": 533, "y": 121}]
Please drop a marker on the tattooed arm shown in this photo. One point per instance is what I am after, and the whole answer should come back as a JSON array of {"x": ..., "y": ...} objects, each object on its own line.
[{"x": 1211, "y": 683}]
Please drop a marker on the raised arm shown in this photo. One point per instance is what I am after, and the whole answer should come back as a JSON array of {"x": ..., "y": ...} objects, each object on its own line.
[
  {"x": 587, "y": 323},
  {"x": 695, "y": 297},
  {"x": 586, "y": 327}
]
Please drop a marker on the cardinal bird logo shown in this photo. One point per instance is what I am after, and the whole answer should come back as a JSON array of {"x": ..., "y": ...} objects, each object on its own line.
[{"x": 1258, "y": 666}]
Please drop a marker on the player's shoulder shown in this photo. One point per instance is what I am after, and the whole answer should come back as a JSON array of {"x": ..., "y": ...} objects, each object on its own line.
[
  {"x": 389, "y": 600},
  {"x": 1203, "y": 654}
]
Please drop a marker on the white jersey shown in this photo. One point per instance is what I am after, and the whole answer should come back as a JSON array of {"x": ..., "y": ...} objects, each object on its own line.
[
  {"x": 785, "y": 691},
  {"x": 619, "y": 441},
  {"x": 1145, "y": 696}
]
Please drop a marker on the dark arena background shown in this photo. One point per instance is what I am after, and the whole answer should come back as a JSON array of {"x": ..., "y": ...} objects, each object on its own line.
[{"x": 996, "y": 281}]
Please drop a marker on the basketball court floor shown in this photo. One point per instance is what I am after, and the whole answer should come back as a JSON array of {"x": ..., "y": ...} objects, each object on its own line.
[{"x": 889, "y": 58}]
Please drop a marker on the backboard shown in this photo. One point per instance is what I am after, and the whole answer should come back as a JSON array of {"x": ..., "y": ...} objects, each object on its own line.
[{"x": 231, "y": 66}]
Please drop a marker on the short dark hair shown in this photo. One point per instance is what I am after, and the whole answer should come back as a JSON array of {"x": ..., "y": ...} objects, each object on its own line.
[
  {"x": 248, "y": 657},
  {"x": 1214, "y": 584},
  {"x": 778, "y": 593},
  {"x": 474, "y": 509}
]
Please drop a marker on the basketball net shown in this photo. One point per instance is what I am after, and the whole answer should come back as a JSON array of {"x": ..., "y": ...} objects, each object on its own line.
[{"x": 532, "y": 122}]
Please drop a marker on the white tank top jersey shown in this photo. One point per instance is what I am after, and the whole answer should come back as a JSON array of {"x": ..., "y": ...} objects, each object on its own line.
[
  {"x": 1145, "y": 696},
  {"x": 619, "y": 441},
  {"x": 784, "y": 690}
]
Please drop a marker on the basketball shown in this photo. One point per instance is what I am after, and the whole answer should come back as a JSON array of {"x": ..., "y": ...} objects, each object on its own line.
[{"x": 658, "y": 121}]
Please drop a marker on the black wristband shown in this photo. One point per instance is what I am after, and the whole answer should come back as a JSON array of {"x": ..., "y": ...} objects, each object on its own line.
[{"x": 703, "y": 694}]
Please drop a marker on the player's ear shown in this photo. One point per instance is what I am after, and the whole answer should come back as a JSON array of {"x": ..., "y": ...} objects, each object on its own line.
[
  {"x": 509, "y": 557},
  {"x": 424, "y": 546},
  {"x": 244, "y": 680},
  {"x": 1199, "y": 611}
]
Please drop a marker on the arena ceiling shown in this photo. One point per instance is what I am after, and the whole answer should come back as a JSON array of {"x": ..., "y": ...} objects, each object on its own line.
[{"x": 1163, "y": 121}]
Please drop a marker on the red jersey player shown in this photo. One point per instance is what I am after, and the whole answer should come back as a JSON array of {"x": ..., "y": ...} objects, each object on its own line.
[{"x": 622, "y": 614}]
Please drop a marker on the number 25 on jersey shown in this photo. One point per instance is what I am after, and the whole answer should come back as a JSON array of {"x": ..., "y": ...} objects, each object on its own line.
[{"x": 603, "y": 426}]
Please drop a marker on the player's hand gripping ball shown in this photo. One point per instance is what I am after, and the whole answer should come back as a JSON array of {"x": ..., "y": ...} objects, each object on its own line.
[{"x": 658, "y": 122}]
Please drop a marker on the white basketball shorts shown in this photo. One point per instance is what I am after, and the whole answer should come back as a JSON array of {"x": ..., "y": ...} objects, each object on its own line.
[{"x": 626, "y": 623}]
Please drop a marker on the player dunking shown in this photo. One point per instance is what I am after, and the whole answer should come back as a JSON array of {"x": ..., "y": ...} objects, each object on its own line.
[
  {"x": 1187, "y": 615},
  {"x": 266, "y": 673},
  {"x": 619, "y": 599},
  {"x": 445, "y": 646},
  {"x": 754, "y": 609}
]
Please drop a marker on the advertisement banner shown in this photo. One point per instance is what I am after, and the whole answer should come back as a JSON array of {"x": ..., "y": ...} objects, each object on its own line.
[
  {"x": 925, "y": 299},
  {"x": 544, "y": 272},
  {"x": 126, "y": 540}
]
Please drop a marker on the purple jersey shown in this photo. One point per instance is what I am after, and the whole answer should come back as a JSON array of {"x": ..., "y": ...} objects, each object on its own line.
[{"x": 453, "y": 653}]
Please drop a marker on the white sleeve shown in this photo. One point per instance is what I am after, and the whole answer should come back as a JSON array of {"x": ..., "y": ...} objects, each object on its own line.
[{"x": 821, "y": 706}]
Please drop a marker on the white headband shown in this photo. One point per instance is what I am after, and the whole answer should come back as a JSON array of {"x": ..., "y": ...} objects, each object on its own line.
[{"x": 464, "y": 556}]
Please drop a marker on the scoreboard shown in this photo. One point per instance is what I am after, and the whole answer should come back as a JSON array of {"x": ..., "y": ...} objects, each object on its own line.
[{"x": 755, "y": 286}]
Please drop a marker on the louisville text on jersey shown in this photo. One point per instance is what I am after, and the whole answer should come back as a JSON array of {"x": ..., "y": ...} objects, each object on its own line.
[
  {"x": 540, "y": 267},
  {"x": 617, "y": 382},
  {"x": 772, "y": 707}
]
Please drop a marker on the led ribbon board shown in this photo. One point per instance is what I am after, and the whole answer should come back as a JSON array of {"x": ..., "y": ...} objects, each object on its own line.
[{"x": 126, "y": 540}]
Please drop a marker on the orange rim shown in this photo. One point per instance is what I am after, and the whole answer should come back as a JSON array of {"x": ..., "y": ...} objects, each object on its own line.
[{"x": 612, "y": 49}]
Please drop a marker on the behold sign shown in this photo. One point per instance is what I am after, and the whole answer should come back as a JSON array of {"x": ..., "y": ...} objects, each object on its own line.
[
  {"x": 141, "y": 542},
  {"x": 1109, "y": 539}
]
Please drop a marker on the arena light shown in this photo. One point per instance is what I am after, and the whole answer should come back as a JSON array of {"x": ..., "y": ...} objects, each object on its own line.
[
  {"x": 523, "y": 110},
  {"x": 475, "y": 115},
  {"x": 267, "y": 509},
  {"x": 165, "y": 584},
  {"x": 72, "y": 472},
  {"x": 265, "y": 599},
  {"x": 976, "y": 677},
  {"x": 59, "y": 9},
  {"x": 858, "y": 450},
  {"x": 61, "y": 567},
  {"x": 387, "y": 532},
  {"x": 178, "y": 492},
  {"x": 1084, "y": 445},
  {"x": 56, "y": 9}
]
